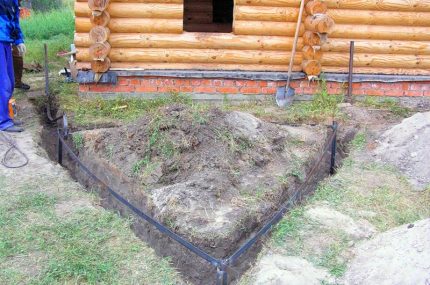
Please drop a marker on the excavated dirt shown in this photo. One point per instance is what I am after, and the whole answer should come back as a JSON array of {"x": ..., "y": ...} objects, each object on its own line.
[
  {"x": 214, "y": 177},
  {"x": 406, "y": 146}
]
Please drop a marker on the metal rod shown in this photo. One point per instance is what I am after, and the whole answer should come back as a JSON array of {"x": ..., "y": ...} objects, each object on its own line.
[
  {"x": 221, "y": 275},
  {"x": 350, "y": 71},
  {"x": 333, "y": 149},
  {"x": 60, "y": 151}
]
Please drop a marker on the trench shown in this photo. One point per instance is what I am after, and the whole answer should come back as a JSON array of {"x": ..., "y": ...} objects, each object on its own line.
[{"x": 192, "y": 268}]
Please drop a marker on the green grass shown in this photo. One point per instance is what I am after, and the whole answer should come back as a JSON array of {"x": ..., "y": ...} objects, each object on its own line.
[
  {"x": 330, "y": 258},
  {"x": 388, "y": 104},
  {"x": 55, "y": 28},
  {"x": 78, "y": 140},
  {"x": 87, "y": 246},
  {"x": 322, "y": 107},
  {"x": 359, "y": 141},
  {"x": 94, "y": 111}
]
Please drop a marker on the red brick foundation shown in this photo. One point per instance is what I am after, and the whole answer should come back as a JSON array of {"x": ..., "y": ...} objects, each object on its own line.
[{"x": 231, "y": 87}]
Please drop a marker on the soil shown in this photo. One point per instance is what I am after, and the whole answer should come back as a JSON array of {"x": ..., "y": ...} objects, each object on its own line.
[
  {"x": 213, "y": 177},
  {"x": 400, "y": 256},
  {"x": 407, "y": 147}
]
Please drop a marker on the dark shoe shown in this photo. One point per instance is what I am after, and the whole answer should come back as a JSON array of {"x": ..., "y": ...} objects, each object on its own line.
[
  {"x": 18, "y": 123},
  {"x": 14, "y": 129},
  {"x": 22, "y": 86}
]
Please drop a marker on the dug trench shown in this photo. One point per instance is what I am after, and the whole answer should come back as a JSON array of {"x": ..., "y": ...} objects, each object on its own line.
[{"x": 213, "y": 177}]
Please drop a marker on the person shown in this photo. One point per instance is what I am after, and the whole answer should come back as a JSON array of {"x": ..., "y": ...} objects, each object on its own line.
[
  {"x": 18, "y": 60},
  {"x": 10, "y": 33},
  {"x": 18, "y": 67}
]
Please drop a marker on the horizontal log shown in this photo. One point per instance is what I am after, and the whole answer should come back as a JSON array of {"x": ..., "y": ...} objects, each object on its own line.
[
  {"x": 340, "y": 16},
  {"x": 266, "y": 28},
  {"x": 387, "y": 5},
  {"x": 274, "y": 14},
  {"x": 195, "y": 56},
  {"x": 191, "y": 66},
  {"x": 402, "y": 33},
  {"x": 256, "y": 57},
  {"x": 378, "y": 70},
  {"x": 135, "y": 10},
  {"x": 377, "y": 60},
  {"x": 358, "y": 17},
  {"x": 173, "y": 26},
  {"x": 378, "y": 46},
  {"x": 195, "y": 41}
]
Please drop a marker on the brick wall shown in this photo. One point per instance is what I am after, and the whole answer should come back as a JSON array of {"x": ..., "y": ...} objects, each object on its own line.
[{"x": 154, "y": 85}]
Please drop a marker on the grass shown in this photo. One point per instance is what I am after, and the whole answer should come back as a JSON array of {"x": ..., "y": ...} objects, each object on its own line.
[
  {"x": 78, "y": 140},
  {"x": 388, "y": 104},
  {"x": 235, "y": 143},
  {"x": 41, "y": 245},
  {"x": 99, "y": 111},
  {"x": 319, "y": 109},
  {"x": 55, "y": 28}
]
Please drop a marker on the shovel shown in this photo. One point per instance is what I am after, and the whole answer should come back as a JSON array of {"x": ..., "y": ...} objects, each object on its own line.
[{"x": 285, "y": 94}]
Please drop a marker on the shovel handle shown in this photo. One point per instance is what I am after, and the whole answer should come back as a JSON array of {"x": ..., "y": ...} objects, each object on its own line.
[{"x": 296, "y": 38}]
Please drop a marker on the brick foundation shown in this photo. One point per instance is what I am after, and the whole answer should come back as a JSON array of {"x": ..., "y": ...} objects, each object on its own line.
[{"x": 151, "y": 85}]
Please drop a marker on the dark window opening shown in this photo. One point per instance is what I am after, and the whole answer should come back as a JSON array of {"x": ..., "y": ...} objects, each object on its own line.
[{"x": 211, "y": 16}]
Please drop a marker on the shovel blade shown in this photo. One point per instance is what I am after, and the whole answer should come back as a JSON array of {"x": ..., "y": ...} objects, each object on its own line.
[{"x": 284, "y": 96}]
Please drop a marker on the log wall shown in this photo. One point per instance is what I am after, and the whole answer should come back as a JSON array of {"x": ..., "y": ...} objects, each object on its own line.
[{"x": 391, "y": 36}]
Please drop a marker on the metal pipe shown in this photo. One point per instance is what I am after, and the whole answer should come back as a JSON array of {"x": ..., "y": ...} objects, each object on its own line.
[
  {"x": 350, "y": 70},
  {"x": 60, "y": 151},
  {"x": 333, "y": 149}
]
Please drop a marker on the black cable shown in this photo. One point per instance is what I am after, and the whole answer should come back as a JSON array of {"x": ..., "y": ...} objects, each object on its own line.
[{"x": 12, "y": 147}]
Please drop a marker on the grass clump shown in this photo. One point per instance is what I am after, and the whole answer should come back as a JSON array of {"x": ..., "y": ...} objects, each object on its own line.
[
  {"x": 388, "y": 104},
  {"x": 78, "y": 140}
]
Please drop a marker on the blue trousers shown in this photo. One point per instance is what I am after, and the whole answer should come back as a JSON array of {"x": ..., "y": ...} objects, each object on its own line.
[{"x": 7, "y": 82}]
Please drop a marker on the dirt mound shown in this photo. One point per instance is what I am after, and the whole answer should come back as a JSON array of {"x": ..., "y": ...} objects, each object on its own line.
[
  {"x": 209, "y": 174},
  {"x": 401, "y": 254},
  {"x": 277, "y": 269},
  {"x": 406, "y": 145}
]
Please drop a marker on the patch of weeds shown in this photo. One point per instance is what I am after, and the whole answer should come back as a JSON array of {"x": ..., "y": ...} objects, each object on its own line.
[
  {"x": 296, "y": 170},
  {"x": 388, "y": 104},
  {"x": 170, "y": 223},
  {"x": 359, "y": 141},
  {"x": 284, "y": 179},
  {"x": 199, "y": 117},
  {"x": 235, "y": 143},
  {"x": 331, "y": 258},
  {"x": 78, "y": 140},
  {"x": 159, "y": 143},
  {"x": 289, "y": 226},
  {"x": 93, "y": 111},
  {"x": 109, "y": 151},
  {"x": 138, "y": 166},
  {"x": 326, "y": 192}
]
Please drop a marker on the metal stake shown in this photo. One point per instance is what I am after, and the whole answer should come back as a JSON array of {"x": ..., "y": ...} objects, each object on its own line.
[
  {"x": 333, "y": 149},
  {"x": 351, "y": 67}
]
